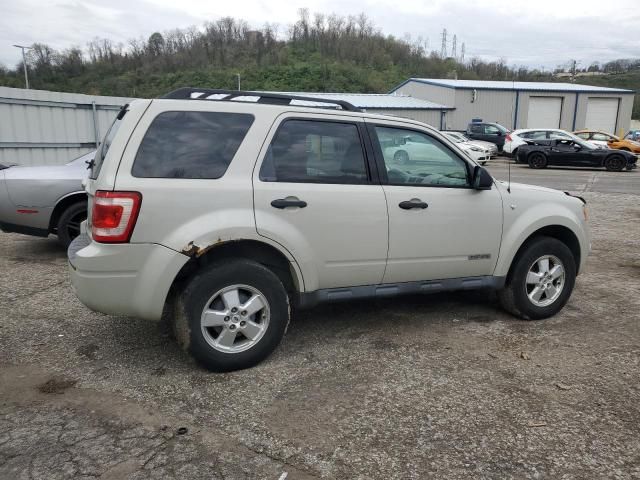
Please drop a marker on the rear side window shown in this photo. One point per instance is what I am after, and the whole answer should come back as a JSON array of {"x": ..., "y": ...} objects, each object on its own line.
[
  {"x": 307, "y": 151},
  {"x": 190, "y": 144}
]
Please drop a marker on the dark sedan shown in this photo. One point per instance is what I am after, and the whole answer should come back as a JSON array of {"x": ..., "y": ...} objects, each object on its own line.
[{"x": 574, "y": 153}]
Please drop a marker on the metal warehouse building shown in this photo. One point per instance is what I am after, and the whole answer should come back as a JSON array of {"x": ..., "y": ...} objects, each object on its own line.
[
  {"x": 526, "y": 104},
  {"x": 399, "y": 105}
]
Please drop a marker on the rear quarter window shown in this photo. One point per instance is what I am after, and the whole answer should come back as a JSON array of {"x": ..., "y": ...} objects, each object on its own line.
[{"x": 190, "y": 144}]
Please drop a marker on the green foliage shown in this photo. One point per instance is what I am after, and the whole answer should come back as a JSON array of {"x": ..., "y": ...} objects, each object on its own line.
[{"x": 326, "y": 53}]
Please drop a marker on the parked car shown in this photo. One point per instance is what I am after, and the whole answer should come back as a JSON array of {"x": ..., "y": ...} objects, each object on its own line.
[
  {"x": 492, "y": 147},
  {"x": 225, "y": 214},
  {"x": 633, "y": 135},
  {"x": 45, "y": 200},
  {"x": 575, "y": 153},
  {"x": 519, "y": 137},
  {"x": 488, "y": 132},
  {"x": 480, "y": 155},
  {"x": 609, "y": 141}
]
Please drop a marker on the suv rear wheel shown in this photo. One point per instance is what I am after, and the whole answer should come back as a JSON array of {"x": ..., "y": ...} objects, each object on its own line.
[
  {"x": 232, "y": 315},
  {"x": 541, "y": 280}
]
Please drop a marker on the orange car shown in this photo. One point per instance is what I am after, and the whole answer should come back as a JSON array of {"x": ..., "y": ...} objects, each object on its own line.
[{"x": 608, "y": 140}]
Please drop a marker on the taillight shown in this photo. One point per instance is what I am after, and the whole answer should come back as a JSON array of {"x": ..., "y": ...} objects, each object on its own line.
[
  {"x": 114, "y": 215},
  {"x": 508, "y": 137}
]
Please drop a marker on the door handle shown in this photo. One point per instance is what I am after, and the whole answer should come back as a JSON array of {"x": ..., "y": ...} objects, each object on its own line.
[
  {"x": 288, "y": 202},
  {"x": 413, "y": 203}
]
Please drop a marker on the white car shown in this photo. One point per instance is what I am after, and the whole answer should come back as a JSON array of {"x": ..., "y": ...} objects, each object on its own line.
[
  {"x": 516, "y": 138},
  {"x": 492, "y": 147},
  {"x": 225, "y": 216},
  {"x": 480, "y": 153}
]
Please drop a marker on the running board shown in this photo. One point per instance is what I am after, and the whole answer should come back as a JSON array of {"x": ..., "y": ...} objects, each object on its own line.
[{"x": 310, "y": 299}]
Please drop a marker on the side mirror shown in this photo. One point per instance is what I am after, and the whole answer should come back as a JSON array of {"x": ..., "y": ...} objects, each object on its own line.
[
  {"x": 577, "y": 147},
  {"x": 482, "y": 179}
]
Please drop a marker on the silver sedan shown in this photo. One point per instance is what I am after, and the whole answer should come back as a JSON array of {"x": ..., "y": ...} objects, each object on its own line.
[{"x": 44, "y": 200}]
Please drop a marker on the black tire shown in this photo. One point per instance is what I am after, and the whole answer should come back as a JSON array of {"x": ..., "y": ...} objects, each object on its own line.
[
  {"x": 68, "y": 226},
  {"x": 514, "y": 296},
  {"x": 401, "y": 157},
  {"x": 537, "y": 160},
  {"x": 205, "y": 284},
  {"x": 615, "y": 163}
]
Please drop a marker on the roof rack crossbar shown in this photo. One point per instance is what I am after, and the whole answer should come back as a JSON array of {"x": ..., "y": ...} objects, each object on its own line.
[{"x": 189, "y": 93}]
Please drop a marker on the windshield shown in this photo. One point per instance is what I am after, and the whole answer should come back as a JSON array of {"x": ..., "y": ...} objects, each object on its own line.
[
  {"x": 104, "y": 147},
  {"x": 453, "y": 137}
]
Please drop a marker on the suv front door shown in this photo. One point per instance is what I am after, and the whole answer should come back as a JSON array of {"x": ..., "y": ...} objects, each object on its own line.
[
  {"x": 439, "y": 227},
  {"x": 315, "y": 193}
]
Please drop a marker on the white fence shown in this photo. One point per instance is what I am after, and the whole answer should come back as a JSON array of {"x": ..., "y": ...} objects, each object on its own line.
[{"x": 38, "y": 127}]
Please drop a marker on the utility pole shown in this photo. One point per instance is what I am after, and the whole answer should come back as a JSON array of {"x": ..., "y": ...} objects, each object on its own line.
[
  {"x": 574, "y": 65},
  {"x": 454, "y": 47},
  {"x": 24, "y": 64},
  {"x": 462, "y": 54},
  {"x": 443, "y": 50},
  {"x": 238, "y": 75}
]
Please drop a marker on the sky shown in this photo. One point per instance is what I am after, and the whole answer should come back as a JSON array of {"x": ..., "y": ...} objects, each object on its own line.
[{"x": 540, "y": 33}]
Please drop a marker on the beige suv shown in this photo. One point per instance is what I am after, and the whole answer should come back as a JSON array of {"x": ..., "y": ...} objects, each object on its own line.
[{"x": 223, "y": 210}]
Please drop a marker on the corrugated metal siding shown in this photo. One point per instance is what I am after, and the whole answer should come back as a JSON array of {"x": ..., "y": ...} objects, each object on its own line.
[
  {"x": 522, "y": 86},
  {"x": 430, "y": 117},
  {"x": 444, "y": 95},
  {"x": 38, "y": 117},
  {"x": 490, "y": 106}
]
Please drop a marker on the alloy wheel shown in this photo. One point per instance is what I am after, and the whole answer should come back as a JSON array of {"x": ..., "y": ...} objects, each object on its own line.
[
  {"x": 545, "y": 280},
  {"x": 235, "y": 318}
]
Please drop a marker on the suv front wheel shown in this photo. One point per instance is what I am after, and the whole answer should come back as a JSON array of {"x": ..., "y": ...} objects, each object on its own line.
[
  {"x": 232, "y": 315},
  {"x": 541, "y": 280}
]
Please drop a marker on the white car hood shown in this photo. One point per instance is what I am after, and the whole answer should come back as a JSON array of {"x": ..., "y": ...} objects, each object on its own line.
[{"x": 523, "y": 187}]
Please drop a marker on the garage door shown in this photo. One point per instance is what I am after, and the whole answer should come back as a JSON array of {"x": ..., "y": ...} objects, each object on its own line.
[
  {"x": 602, "y": 114},
  {"x": 544, "y": 112}
]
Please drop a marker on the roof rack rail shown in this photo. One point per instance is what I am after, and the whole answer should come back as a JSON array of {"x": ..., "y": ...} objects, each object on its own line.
[{"x": 190, "y": 93}]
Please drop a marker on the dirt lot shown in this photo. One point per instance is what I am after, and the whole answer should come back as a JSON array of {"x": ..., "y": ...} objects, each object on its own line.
[{"x": 441, "y": 386}]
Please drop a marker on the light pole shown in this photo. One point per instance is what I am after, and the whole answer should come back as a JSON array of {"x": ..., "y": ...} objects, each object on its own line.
[
  {"x": 24, "y": 63},
  {"x": 238, "y": 75}
]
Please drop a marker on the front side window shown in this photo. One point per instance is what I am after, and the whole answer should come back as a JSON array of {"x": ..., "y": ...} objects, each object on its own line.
[
  {"x": 491, "y": 130},
  {"x": 309, "y": 151},
  {"x": 601, "y": 137},
  {"x": 190, "y": 144},
  {"x": 476, "y": 128},
  {"x": 583, "y": 135},
  {"x": 415, "y": 158}
]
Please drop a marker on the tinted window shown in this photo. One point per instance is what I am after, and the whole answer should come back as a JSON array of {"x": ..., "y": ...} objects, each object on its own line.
[
  {"x": 190, "y": 144},
  {"x": 477, "y": 128},
  {"x": 304, "y": 151},
  {"x": 601, "y": 137},
  {"x": 415, "y": 158},
  {"x": 491, "y": 130}
]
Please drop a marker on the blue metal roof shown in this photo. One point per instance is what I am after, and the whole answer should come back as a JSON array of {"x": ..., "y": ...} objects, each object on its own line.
[{"x": 514, "y": 86}]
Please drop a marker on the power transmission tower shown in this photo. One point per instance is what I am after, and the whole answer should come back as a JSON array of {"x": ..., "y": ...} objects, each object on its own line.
[
  {"x": 454, "y": 46},
  {"x": 574, "y": 65},
  {"x": 443, "y": 51},
  {"x": 462, "y": 54}
]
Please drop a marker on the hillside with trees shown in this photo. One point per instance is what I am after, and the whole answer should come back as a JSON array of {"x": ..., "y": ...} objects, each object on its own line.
[{"x": 317, "y": 53}]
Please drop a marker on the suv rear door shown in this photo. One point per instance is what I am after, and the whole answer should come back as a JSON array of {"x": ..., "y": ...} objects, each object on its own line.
[
  {"x": 316, "y": 193},
  {"x": 439, "y": 227}
]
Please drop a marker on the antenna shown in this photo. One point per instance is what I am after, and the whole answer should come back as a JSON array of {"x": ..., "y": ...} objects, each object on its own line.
[
  {"x": 454, "y": 47},
  {"x": 509, "y": 160}
]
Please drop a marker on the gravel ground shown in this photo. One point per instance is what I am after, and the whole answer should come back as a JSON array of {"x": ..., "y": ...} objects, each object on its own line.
[{"x": 439, "y": 386}]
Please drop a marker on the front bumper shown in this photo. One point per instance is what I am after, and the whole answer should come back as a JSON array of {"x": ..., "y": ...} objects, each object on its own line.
[{"x": 123, "y": 279}]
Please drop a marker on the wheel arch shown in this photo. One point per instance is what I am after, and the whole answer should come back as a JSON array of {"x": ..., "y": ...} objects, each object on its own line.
[
  {"x": 256, "y": 250},
  {"x": 559, "y": 232},
  {"x": 62, "y": 204}
]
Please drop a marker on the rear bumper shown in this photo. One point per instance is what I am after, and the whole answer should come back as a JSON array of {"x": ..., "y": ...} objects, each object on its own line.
[{"x": 123, "y": 279}]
